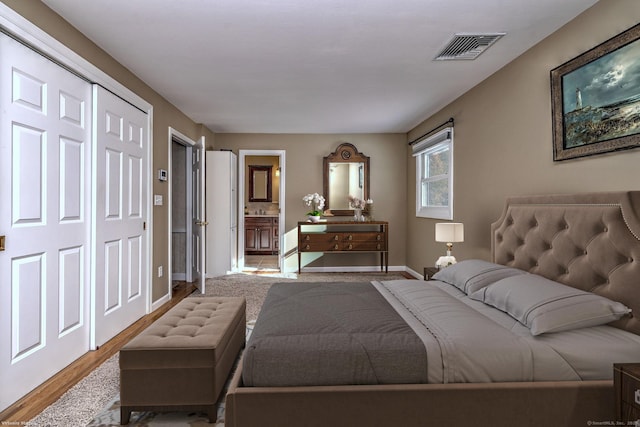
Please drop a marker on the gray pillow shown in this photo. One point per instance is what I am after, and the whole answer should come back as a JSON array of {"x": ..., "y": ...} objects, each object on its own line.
[
  {"x": 547, "y": 306},
  {"x": 474, "y": 274}
]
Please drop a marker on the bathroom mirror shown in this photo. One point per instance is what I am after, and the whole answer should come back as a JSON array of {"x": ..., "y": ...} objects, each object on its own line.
[
  {"x": 346, "y": 173},
  {"x": 260, "y": 183}
]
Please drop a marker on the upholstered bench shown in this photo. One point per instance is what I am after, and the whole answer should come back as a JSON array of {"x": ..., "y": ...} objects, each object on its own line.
[{"x": 181, "y": 362}]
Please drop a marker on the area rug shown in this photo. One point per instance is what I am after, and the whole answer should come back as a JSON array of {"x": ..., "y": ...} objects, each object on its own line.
[
  {"x": 254, "y": 287},
  {"x": 81, "y": 405}
]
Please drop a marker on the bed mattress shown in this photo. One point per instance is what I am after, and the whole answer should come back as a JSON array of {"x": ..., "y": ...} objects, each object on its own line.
[{"x": 416, "y": 332}]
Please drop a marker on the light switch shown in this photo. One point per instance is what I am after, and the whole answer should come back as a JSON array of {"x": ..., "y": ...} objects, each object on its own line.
[{"x": 157, "y": 199}]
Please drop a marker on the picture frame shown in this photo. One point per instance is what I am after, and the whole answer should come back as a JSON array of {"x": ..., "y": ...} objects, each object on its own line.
[{"x": 596, "y": 99}]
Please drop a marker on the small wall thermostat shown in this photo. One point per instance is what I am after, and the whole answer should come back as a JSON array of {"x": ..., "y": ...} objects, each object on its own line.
[{"x": 162, "y": 174}]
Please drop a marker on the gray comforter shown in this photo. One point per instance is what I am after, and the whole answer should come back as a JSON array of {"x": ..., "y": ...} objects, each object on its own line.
[
  {"x": 331, "y": 334},
  {"x": 410, "y": 331}
]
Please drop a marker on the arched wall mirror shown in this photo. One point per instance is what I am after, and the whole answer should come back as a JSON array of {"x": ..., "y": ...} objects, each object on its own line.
[
  {"x": 346, "y": 173},
  {"x": 259, "y": 183}
]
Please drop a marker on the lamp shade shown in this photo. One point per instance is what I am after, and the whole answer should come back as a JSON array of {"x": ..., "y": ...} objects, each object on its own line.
[{"x": 449, "y": 232}]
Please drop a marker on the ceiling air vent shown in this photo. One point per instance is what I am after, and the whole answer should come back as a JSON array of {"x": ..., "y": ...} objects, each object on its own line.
[{"x": 467, "y": 46}]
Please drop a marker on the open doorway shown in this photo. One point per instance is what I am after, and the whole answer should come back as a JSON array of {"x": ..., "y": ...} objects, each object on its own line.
[
  {"x": 261, "y": 190},
  {"x": 185, "y": 200},
  {"x": 179, "y": 214}
]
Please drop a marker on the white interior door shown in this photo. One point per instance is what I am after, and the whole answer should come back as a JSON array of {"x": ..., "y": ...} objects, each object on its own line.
[
  {"x": 189, "y": 215},
  {"x": 198, "y": 217},
  {"x": 119, "y": 266},
  {"x": 234, "y": 212},
  {"x": 45, "y": 153}
]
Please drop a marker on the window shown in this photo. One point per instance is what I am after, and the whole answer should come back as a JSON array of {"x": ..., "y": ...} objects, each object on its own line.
[{"x": 434, "y": 175}]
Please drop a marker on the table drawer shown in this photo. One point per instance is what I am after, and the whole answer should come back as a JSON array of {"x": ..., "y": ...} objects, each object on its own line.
[
  {"x": 311, "y": 246},
  {"x": 630, "y": 413},
  {"x": 341, "y": 237},
  {"x": 257, "y": 220},
  {"x": 630, "y": 391},
  {"x": 626, "y": 380},
  {"x": 364, "y": 246}
]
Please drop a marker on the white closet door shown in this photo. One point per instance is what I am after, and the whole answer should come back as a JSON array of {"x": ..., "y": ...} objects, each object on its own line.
[
  {"x": 121, "y": 247},
  {"x": 45, "y": 136}
]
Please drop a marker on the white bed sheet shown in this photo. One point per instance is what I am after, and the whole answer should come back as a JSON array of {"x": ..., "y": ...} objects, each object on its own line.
[{"x": 469, "y": 341}]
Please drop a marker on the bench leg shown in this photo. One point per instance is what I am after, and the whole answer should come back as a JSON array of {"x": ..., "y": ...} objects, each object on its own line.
[
  {"x": 125, "y": 415},
  {"x": 212, "y": 413}
]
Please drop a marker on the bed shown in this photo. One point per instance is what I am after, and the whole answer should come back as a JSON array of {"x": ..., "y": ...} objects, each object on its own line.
[{"x": 546, "y": 247}]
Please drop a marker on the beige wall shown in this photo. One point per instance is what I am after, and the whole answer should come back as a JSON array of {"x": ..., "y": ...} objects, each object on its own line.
[
  {"x": 165, "y": 115},
  {"x": 303, "y": 175},
  {"x": 503, "y": 139},
  {"x": 503, "y": 144}
]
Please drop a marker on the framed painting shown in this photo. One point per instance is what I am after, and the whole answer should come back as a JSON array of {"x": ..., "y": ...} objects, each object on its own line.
[{"x": 596, "y": 99}]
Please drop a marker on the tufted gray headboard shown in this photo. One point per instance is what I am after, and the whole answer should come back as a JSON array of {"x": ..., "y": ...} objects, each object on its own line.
[{"x": 588, "y": 241}]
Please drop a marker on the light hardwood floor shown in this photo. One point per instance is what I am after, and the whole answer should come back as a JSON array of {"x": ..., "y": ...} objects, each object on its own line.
[{"x": 51, "y": 390}]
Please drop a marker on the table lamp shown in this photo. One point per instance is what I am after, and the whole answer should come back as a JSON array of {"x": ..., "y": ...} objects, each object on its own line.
[{"x": 448, "y": 232}]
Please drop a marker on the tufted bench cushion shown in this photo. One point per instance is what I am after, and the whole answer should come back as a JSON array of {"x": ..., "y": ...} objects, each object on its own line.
[{"x": 181, "y": 362}]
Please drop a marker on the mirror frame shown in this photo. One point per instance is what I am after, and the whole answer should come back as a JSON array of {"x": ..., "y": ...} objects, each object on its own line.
[
  {"x": 345, "y": 153},
  {"x": 252, "y": 170}
]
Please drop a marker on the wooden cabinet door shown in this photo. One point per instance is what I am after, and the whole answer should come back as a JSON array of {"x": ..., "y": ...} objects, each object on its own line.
[
  {"x": 251, "y": 238},
  {"x": 275, "y": 236},
  {"x": 264, "y": 238}
]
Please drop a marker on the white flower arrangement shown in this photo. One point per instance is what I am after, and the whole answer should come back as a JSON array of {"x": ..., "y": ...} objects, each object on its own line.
[
  {"x": 316, "y": 202},
  {"x": 445, "y": 261}
]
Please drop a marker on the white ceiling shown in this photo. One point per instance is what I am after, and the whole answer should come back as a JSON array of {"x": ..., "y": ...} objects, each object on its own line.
[{"x": 310, "y": 66}]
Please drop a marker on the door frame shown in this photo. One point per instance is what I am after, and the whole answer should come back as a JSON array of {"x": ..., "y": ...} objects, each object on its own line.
[
  {"x": 190, "y": 145},
  {"x": 24, "y": 30},
  {"x": 241, "y": 185}
]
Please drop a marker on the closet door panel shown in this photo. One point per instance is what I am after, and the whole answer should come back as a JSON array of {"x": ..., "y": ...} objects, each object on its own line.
[
  {"x": 121, "y": 200},
  {"x": 45, "y": 137}
]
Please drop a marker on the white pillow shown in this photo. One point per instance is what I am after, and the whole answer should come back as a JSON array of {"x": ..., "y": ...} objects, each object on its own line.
[
  {"x": 473, "y": 274},
  {"x": 547, "y": 306}
]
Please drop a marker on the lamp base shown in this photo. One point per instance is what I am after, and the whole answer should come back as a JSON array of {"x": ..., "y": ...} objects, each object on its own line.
[{"x": 445, "y": 261}]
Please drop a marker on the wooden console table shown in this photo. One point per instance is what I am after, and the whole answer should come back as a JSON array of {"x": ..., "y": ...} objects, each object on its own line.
[{"x": 344, "y": 236}]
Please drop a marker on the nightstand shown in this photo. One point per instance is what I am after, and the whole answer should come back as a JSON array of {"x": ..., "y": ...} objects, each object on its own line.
[
  {"x": 626, "y": 383},
  {"x": 429, "y": 272}
]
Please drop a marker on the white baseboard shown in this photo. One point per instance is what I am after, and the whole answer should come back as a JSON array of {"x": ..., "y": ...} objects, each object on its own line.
[
  {"x": 159, "y": 302},
  {"x": 179, "y": 276},
  {"x": 413, "y": 273}
]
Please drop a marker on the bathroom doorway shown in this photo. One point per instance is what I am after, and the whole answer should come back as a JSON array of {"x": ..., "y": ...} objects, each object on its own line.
[{"x": 261, "y": 190}]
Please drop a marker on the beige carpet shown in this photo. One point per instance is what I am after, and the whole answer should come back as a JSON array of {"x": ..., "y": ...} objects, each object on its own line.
[
  {"x": 94, "y": 401},
  {"x": 254, "y": 287}
]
